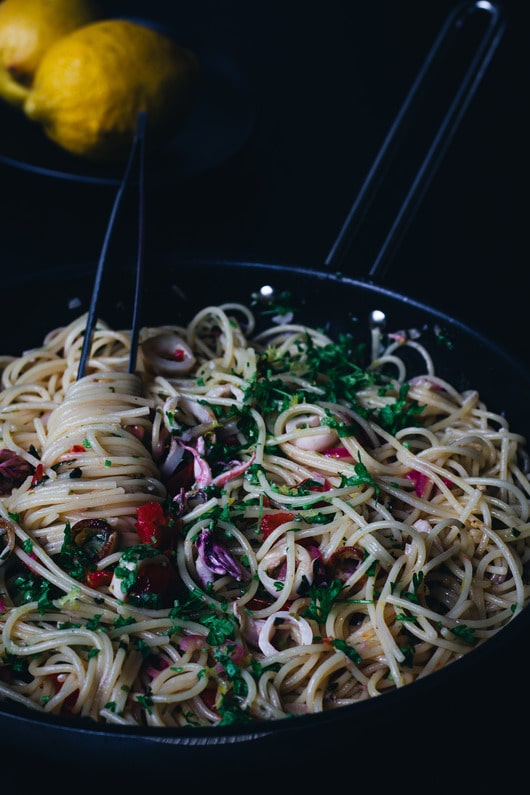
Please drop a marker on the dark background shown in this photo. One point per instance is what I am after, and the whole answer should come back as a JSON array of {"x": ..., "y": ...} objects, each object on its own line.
[{"x": 319, "y": 85}]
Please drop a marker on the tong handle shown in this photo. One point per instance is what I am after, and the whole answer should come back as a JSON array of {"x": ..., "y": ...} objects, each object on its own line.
[
  {"x": 136, "y": 157},
  {"x": 372, "y": 188}
]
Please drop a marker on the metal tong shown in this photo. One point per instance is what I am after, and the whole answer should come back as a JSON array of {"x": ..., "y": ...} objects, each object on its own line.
[
  {"x": 135, "y": 166},
  {"x": 484, "y": 22}
]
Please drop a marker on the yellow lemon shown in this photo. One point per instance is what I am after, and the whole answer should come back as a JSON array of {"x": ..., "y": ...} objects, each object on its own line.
[
  {"x": 27, "y": 28},
  {"x": 91, "y": 84}
]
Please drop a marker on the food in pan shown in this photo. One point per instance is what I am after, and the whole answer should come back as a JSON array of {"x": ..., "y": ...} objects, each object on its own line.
[
  {"x": 261, "y": 522},
  {"x": 27, "y": 29}
]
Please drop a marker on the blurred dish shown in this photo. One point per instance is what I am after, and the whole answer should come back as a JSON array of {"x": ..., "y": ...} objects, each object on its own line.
[{"x": 219, "y": 125}]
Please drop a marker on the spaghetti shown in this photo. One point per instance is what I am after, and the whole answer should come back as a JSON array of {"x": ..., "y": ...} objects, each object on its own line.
[{"x": 255, "y": 525}]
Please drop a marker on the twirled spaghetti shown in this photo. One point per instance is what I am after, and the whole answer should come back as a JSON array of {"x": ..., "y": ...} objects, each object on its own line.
[{"x": 255, "y": 525}]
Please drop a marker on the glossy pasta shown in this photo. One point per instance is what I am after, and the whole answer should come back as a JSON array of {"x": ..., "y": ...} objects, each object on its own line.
[{"x": 255, "y": 525}]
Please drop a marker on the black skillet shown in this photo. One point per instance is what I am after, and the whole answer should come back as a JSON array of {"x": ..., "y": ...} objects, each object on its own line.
[{"x": 174, "y": 288}]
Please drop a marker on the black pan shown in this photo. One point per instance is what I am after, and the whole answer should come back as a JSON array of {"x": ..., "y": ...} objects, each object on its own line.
[{"x": 176, "y": 286}]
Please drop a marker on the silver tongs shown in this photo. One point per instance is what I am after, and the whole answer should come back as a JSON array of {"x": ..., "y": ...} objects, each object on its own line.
[
  {"x": 135, "y": 167},
  {"x": 480, "y": 24}
]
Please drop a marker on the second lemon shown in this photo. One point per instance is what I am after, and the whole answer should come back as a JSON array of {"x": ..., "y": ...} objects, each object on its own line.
[{"x": 91, "y": 84}]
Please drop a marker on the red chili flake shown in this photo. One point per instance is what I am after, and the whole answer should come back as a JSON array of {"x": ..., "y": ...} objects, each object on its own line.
[
  {"x": 78, "y": 448},
  {"x": 38, "y": 476},
  {"x": 153, "y": 526},
  {"x": 95, "y": 579},
  {"x": 270, "y": 521},
  {"x": 179, "y": 354}
]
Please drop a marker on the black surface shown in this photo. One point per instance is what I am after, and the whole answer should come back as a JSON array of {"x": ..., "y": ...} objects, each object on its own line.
[{"x": 327, "y": 80}]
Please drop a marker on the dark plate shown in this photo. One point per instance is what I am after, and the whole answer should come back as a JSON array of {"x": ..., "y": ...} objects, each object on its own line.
[{"x": 220, "y": 123}]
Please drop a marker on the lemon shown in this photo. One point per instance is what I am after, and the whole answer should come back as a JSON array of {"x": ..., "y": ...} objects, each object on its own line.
[
  {"x": 27, "y": 28},
  {"x": 91, "y": 84}
]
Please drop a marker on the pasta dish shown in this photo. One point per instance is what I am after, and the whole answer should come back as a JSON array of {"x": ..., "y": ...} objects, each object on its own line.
[{"x": 260, "y": 522}]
